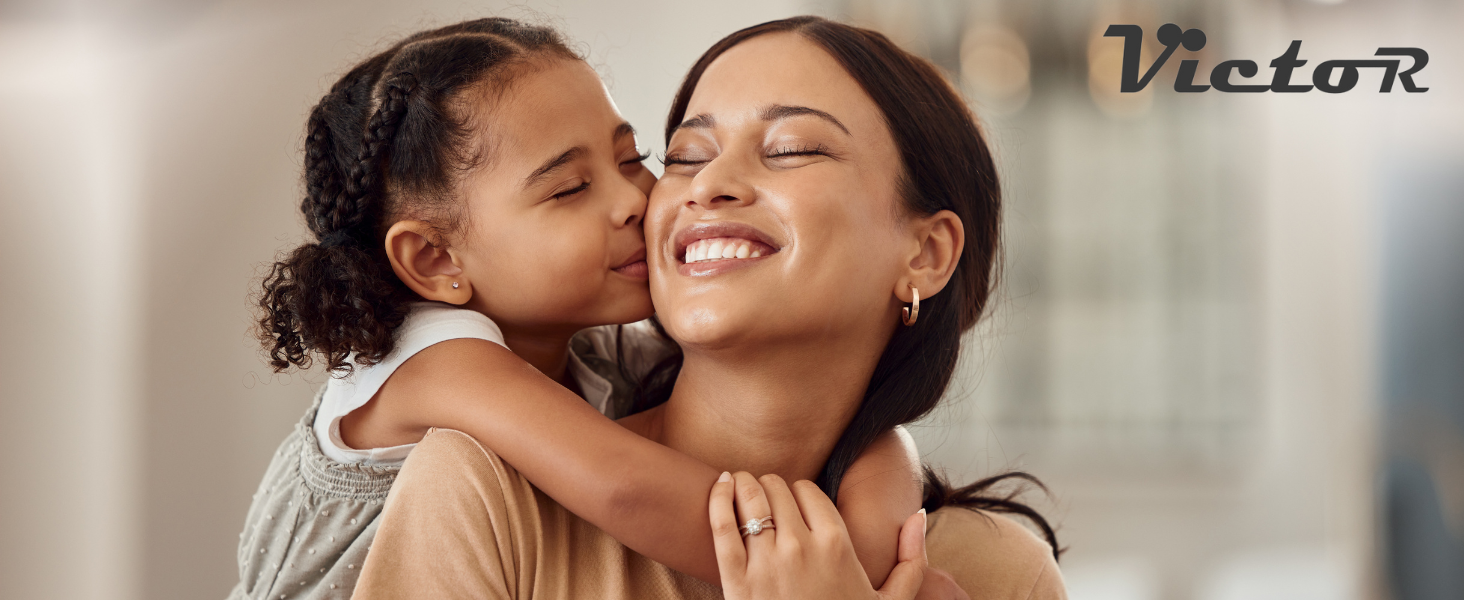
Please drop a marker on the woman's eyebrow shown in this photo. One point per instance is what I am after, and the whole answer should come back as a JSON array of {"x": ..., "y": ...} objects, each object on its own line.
[
  {"x": 777, "y": 112},
  {"x": 701, "y": 121}
]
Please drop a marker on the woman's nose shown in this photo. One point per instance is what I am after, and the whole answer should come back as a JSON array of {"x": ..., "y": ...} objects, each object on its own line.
[{"x": 721, "y": 183}]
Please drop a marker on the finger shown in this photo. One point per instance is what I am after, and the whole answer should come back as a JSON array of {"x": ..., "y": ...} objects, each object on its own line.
[
  {"x": 904, "y": 581},
  {"x": 819, "y": 513},
  {"x": 786, "y": 514},
  {"x": 726, "y": 539},
  {"x": 752, "y": 503}
]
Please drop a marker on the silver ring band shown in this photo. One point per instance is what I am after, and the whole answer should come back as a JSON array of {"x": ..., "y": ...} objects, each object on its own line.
[{"x": 756, "y": 526}]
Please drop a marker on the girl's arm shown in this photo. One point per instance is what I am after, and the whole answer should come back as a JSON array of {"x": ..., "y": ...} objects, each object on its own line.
[{"x": 647, "y": 496}]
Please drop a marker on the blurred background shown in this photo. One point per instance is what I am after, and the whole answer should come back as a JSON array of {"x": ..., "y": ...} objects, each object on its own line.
[{"x": 1230, "y": 335}]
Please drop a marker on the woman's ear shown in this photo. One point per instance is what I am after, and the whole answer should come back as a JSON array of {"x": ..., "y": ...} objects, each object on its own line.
[
  {"x": 940, "y": 238},
  {"x": 434, "y": 272}
]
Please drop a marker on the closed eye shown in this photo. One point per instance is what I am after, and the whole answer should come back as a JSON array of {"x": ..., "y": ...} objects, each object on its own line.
[
  {"x": 677, "y": 159},
  {"x": 815, "y": 150},
  {"x": 571, "y": 191},
  {"x": 639, "y": 158}
]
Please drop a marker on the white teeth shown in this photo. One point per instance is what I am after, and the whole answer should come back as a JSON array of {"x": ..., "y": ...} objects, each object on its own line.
[{"x": 720, "y": 249}]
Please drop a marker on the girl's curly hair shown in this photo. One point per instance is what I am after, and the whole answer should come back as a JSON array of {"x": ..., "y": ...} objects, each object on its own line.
[{"x": 394, "y": 136}]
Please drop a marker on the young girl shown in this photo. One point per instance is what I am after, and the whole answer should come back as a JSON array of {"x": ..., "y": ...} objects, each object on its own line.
[{"x": 477, "y": 202}]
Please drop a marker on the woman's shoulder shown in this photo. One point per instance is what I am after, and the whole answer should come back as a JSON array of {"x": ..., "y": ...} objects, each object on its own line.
[
  {"x": 451, "y": 452},
  {"x": 991, "y": 556}
]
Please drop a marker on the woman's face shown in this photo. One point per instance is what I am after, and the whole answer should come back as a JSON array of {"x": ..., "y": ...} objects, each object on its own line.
[{"x": 778, "y": 217}]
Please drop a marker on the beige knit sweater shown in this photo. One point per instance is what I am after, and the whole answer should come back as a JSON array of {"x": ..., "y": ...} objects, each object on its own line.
[{"x": 461, "y": 523}]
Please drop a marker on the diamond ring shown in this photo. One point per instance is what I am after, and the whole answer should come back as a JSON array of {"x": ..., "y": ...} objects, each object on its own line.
[{"x": 756, "y": 526}]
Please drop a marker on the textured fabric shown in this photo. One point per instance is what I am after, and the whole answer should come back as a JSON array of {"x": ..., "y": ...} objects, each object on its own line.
[
  {"x": 427, "y": 324},
  {"x": 463, "y": 524},
  {"x": 311, "y": 522},
  {"x": 313, "y": 518}
]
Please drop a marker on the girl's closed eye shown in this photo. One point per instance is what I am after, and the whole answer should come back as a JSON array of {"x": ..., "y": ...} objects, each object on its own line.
[
  {"x": 570, "y": 189},
  {"x": 635, "y": 163}
]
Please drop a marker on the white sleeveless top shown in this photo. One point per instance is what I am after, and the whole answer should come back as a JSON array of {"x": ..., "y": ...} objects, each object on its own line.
[
  {"x": 431, "y": 322},
  {"x": 428, "y": 323}
]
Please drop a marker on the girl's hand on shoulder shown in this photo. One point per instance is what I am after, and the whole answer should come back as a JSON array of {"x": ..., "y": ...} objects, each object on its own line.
[{"x": 804, "y": 550}]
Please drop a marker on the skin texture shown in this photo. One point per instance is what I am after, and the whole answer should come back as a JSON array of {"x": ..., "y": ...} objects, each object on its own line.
[
  {"x": 792, "y": 560},
  {"x": 793, "y": 336},
  {"x": 559, "y": 243}
]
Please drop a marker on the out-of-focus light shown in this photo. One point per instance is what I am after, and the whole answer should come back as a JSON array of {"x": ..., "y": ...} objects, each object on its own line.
[
  {"x": 1105, "y": 66},
  {"x": 996, "y": 68}
]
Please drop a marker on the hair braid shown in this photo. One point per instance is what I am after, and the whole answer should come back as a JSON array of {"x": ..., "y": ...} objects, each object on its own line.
[
  {"x": 377, "y": 146},
  {"x": 360, "y": 205}
]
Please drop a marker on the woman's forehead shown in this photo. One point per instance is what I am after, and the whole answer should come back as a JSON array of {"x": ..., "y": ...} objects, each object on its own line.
[{"x": 781, "y": 69}]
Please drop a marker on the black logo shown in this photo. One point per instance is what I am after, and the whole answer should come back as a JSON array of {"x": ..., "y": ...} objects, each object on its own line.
[{"x": 1193, "y": 40}]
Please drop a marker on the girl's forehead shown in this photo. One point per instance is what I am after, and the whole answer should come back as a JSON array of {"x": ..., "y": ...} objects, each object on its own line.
[{"x": 561, "y": 104}]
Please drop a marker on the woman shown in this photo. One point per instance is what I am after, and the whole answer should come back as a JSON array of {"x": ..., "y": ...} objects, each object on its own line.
[{"x": 858, "y": 183}]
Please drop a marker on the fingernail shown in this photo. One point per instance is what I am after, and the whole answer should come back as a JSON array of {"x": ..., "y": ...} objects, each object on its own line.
[
  {"x": 728, "y": 477},
  {"x": 921, "y": 511}
]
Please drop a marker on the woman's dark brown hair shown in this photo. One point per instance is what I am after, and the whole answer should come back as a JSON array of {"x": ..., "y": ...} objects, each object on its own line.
[
  {"x": 946, "y": 166},
  {"x": 392, "y": 138}
]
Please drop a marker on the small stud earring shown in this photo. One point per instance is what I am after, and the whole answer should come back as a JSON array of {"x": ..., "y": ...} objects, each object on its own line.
[{"x": 454, "y": 285}]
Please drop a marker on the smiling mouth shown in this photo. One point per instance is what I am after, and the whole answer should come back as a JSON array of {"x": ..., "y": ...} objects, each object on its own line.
[
  {"x": 708, "y": 248},
  {"x": 724, "y": 248}
]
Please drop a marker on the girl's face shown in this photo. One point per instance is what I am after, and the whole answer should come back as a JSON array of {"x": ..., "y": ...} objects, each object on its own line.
[
  {"x": 784, "y": 159},
  {"x": 553, "y": 238}
]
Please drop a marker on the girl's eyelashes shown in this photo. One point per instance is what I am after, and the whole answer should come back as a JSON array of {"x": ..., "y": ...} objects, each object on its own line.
[
  {"x": 639, "y": 158},
  {"x": 571, "y": 191}
]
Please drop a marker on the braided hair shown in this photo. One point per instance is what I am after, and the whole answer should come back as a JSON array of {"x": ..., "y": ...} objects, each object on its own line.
[{"x": 391, "y": 138}]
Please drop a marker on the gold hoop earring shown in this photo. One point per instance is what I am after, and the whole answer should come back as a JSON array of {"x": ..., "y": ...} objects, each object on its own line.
[{"x": 912, "y": 312}]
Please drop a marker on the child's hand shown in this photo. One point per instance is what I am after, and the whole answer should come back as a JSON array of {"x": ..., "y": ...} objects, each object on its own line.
[{"x": 804, "y": 552}]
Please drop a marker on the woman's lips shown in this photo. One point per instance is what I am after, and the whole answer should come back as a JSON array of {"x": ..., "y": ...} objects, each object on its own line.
[
  {"x": 710, "y": 248},
  {"x": 717, "y": 267},
  {"x": 718, "y": 247}
]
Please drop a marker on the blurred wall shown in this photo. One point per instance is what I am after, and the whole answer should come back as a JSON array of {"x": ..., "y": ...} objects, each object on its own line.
[{"x": 149, "y": 164}]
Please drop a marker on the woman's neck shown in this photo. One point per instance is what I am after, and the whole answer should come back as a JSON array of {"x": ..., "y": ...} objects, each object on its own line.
[{"x": 778, "y": 411}]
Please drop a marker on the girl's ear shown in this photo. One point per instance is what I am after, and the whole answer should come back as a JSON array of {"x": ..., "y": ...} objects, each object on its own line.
[
  {"x": 435, "y": 273},
  {"x": 939, "y": 240}
]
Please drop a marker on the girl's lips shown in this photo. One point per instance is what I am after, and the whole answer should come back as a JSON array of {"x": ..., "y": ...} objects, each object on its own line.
[
  {"x": 635, "y": 266},
  {"x": 634, "y": 270}
]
